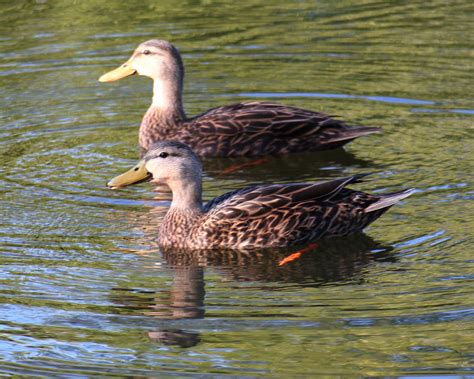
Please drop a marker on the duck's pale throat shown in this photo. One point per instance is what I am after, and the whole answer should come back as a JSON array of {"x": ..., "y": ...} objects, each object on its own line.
[
  {"x": 167, "y": 98},
  {"x": 187, "y": 194}
]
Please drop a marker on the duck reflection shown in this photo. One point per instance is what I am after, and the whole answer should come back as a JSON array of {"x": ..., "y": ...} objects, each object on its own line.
[
  {"x": 336, "y": 260},
  {"x": 330, "y": 260},
  {"x": 186, "y": 301},
  {"x": 295, "y": 167}
]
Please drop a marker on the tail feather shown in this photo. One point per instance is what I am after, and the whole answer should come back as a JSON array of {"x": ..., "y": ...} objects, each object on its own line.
[
  {"x": 389, "y": 200},
  {"x": 350, "y": 134},
  {"x": 359, "y": 178}
]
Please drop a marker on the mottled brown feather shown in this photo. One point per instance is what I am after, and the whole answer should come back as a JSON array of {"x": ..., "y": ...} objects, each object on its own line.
[
  {"x": 243, "y": 129},
  {"x": 275, "y": 215},
  {"x": 251, "y": 129}
]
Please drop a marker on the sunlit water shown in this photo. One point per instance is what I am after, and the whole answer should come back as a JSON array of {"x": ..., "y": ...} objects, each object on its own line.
[{"x": 84, "y": 289}]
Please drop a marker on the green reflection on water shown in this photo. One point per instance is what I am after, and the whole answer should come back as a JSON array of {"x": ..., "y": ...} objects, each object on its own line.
[{"x": 82, "y": 285}]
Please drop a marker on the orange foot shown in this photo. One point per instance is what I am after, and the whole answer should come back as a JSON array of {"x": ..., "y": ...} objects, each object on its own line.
[
  {"x": 297, "y": 254},
  {"x": 237, "y": 167}
]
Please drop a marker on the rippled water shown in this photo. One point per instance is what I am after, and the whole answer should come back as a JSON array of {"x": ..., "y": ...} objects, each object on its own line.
[{"x": 84, "y": 289}]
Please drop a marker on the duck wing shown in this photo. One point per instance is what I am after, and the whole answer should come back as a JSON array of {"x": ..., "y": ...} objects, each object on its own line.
[
  {"x": 257, "y": 128},
  {"x": 221, "y": 198},
  {"x": 284, "y": 214}
]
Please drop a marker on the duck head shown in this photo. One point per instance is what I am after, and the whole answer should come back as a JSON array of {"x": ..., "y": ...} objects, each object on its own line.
[
  {"x": 166, "y": 162},
  {"x": 157, "y": 59}
]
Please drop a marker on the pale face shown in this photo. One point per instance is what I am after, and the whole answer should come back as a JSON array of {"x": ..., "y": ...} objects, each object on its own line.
[
  {"x": 164, "y": 169},
  {"x": 171, "y": 164},
  {"x": 167, "y": 162},
  {"x": 152, "y": 61},
  {"x": 157, "y": 59}
]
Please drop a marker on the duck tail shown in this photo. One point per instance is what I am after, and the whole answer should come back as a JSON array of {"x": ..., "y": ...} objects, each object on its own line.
[
  {"x": 353, "y": 133},
  {"x": 359, "y": 178},
  {"x": 388, "y": 200}
]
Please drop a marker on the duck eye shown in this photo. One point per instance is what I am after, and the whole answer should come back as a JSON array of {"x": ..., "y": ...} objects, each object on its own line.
[
  {"x": 163, "y": 155},
  {"x": 146, "y": 52}
]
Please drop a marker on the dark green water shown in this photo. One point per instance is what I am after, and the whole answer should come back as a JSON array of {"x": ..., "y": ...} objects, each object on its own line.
[{"x": 84, "y": 291}]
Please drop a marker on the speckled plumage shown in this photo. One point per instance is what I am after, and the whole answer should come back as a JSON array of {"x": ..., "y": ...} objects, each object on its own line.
[
  {"x": 244, "y": 129},
  {"x": 275, "y": 215},
  {"x": 249, "y": 129},
  {"x": 268, "y": 215}
]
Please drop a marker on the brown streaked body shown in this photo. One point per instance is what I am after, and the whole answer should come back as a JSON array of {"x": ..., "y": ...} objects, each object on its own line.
[
  {"x": 268, "y": 215},
  {"x": 244, "y": 129}
]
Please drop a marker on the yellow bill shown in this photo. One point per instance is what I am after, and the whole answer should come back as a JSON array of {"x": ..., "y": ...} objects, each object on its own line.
[
  {"x": 120, "y": 72},
  {"x": 136, "y": 175}
]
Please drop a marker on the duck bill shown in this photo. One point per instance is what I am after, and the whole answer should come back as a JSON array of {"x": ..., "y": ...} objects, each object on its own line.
[
  {"x": 120, "y": 72},
  {"x": 137, "y": 174}
]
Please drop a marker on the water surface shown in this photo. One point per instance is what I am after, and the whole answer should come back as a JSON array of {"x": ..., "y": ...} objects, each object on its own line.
[{"x": 84, "y": 289}]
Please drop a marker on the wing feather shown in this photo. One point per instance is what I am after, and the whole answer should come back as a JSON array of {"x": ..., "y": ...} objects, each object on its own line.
[
  {"x": 261, "y": 117},
  {"x": 276, "y": 209}
]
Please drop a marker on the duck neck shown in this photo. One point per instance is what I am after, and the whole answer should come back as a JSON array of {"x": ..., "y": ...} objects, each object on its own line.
[
  {"x": 186, "y": 208},
  {"x": 187, "y": 196},
  {"x": 165, "y": 113},
  {"x": 167, "y": 98}
]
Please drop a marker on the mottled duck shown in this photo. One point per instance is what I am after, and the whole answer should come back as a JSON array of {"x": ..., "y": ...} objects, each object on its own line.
[
  {"x": 268, "y": 215},
  {"x": 244, "y": 129}
]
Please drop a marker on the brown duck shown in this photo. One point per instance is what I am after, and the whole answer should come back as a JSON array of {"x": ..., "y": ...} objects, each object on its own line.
[
  {"x": 269, "y": 215},
  {"x": 243, "y": 129}
]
